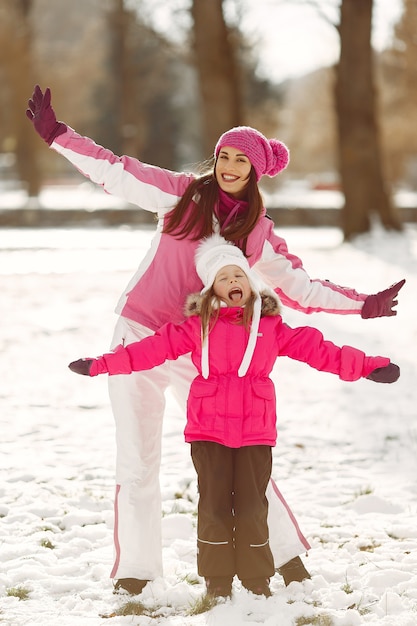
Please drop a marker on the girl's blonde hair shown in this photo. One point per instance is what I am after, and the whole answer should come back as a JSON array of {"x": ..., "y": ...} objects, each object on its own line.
[{"x": 210, "y": 309}]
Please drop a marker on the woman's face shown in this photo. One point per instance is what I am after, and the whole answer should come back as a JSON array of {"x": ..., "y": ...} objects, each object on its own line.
[
  {"x": 232, "y": 286},
  {"x": 232, "y": 171}
]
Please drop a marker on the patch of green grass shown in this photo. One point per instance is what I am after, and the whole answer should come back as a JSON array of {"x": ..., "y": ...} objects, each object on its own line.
[
  {"x": 45, "y": 543},
  {"x": 18, "y": 592},
  {"x": 132, "y": 608},
  {"x": 395, "y": 537},
  {"x": 347, "y": 588},
  {"x": 314, "y": 620},
  {"x": 183, "y": 493},
  {"x": 202, "y": 605},
  {"x": 191, "y": 579},
  {"x": 369, "y": 547},
  {"x": 365, "y": 491}
]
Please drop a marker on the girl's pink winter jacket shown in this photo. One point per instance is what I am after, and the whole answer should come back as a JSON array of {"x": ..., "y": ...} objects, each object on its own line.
[{"x": 224, "y": 408}]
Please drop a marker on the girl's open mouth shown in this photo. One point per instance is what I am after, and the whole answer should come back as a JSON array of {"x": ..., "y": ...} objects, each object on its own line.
[{"x": 235, "y": 294}]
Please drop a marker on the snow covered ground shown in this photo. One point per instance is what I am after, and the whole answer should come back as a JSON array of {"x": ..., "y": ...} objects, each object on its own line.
[
  {"x": 86, "y": 195},
  {"x": 345, "y": 460}
]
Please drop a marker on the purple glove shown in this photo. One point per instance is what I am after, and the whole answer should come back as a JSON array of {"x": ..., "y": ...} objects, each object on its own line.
[
  {"x": 388, "y": 374},
  {"x": 382, "y": 303},
  {"x": 82, "y": 366},
  {"x": 42, "y": 115}
]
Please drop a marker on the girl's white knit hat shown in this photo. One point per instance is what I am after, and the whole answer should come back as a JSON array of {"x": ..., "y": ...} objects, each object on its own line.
[{"x": 212, "y": 255}]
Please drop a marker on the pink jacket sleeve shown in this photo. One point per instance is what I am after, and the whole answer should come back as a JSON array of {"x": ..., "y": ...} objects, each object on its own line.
[
  {"x": 116, "y": 362},
  {"x": 284, "y": 272},
  {"x": 152, "y": 188},
  {"x": 308, "y": 345},
  {"x": 168, "y": 343}
]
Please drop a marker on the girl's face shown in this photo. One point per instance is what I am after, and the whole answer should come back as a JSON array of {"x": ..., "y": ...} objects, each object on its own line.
[
  {"x": 232, "y": 286},
  {"x": 232, "y": 171}
]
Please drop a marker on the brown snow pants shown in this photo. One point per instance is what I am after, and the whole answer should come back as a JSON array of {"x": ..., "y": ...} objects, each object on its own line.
[{"x": 232, "y": 510}]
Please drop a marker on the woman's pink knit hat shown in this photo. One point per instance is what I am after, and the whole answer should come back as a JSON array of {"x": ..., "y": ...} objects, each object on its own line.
[{"x": 268, "y": 156}]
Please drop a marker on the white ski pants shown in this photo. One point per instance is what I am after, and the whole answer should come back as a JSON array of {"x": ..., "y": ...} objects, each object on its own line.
[{"x": 138, "y": 404}]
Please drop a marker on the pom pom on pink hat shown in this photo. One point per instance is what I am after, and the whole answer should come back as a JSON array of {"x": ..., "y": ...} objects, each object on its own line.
[{"x": 268, "y": 156}]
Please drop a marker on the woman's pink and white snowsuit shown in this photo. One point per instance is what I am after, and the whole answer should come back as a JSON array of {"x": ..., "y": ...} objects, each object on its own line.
[{"x": 155, "y": 295}]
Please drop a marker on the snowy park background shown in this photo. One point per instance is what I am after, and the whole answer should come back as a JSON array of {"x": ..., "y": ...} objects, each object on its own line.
[{"x": 346, "y": 458}]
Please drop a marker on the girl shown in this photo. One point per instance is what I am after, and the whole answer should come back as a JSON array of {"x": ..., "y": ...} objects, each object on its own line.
[
  {"x": 189, "y": 208},
  {"x": 234, "y": 333}
]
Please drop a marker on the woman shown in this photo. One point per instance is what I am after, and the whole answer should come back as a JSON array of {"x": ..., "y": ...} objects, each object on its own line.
[{"x": 225, "y": 200}]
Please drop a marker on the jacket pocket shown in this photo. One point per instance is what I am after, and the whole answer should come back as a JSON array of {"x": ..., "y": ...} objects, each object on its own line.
[
  {"x": 263, "y": 397},
  {"x": 260, "y": 422},
  {"x": 201, "y": 388},
  {"x": 202, "y": 407}
]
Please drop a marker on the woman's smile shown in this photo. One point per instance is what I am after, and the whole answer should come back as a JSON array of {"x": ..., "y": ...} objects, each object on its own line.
[{"x": 232, "y": 171}]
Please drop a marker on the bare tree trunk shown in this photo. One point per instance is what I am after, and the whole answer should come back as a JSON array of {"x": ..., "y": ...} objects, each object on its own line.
[
  {"x": 120, "y": 94},
  {"x": 28, "y": 144},
  {"x": 359, "y": 150},
  {"x": 217, "y": 69}
]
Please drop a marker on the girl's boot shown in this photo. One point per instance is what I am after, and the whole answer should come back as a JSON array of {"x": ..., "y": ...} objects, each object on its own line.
[{"x": 294, "y": 570}]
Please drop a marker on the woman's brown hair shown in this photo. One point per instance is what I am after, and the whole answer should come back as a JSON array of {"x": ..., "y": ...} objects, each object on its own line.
[
  {"x": 202, "y": 195},
  {"x": 210, "y": 308}
]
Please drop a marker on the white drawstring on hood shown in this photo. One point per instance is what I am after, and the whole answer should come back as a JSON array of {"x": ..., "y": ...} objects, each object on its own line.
[{"x": 212, "y": 255}]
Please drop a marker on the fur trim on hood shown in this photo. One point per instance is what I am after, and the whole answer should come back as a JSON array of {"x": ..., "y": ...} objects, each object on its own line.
[{"x": 270, "y": 304}]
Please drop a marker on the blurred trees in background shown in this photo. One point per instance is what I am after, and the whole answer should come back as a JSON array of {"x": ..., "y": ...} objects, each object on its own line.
[
  {"x": 214, "y": 49},
  {"x": 112, "y": 78},
  {"x": 230, "y": 91},
  {"x": 117, "y": 80},
  {"x": 359, "y": 149},
  {"x": 135, "y": 102},
  {"x": 16, "y": 45},
  {"x": 397, "y": 69},
  {"x": 310, "y": 117},
  {"x": 363, "y": 97}
]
